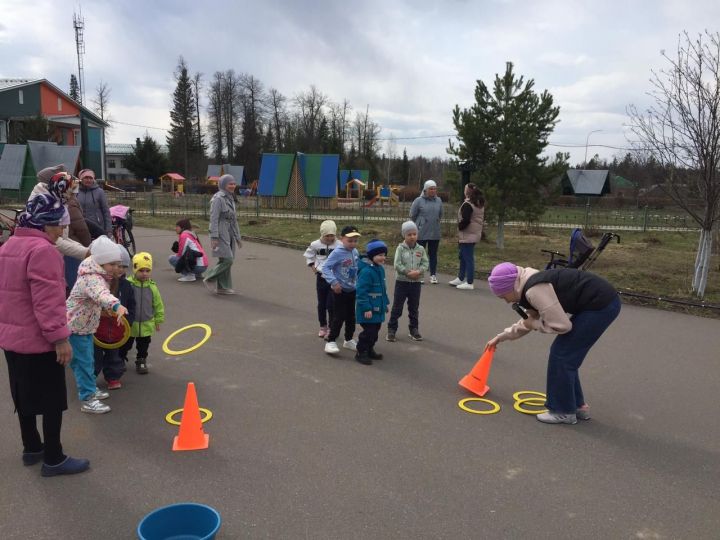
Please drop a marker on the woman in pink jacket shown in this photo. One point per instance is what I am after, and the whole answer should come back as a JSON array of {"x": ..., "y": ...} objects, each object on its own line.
[
  {"x": 34, "y": 332},
  {"x": 185, "y": 262}
]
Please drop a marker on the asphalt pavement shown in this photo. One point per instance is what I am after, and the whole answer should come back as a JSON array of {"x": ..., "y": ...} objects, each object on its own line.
[{"x": 304, "y": 445}]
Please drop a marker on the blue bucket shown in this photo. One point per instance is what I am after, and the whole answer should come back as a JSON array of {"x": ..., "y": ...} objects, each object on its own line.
[{"x": 183, "y": 521}]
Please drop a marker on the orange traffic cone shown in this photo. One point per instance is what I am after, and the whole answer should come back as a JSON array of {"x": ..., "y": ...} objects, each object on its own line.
[
  {"x": 476, "y": 380},
  {"x": 191, "y": 435}
]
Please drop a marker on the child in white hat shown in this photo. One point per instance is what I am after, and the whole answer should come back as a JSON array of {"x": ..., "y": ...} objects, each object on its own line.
[{"x": 315, "y": 256}]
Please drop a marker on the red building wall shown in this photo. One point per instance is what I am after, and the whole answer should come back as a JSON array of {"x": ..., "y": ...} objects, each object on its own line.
[{"x": 49, "y": 103}]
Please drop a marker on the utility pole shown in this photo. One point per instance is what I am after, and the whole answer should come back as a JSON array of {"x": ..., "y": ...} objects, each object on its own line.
[{"x": 79, "y": 25}]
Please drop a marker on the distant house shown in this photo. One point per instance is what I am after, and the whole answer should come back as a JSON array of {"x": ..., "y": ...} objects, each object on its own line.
[
  {"x": 115, "y": 156},
  {"x": 585, "y": 183},
  {"x": 20, "y": 163},
  {"x": 24, "y": 99}
]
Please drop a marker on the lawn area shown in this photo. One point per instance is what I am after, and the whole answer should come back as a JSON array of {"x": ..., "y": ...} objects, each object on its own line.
[{"x": 656, "y": 263}]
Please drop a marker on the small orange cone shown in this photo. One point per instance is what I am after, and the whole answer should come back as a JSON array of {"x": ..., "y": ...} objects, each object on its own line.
[
  {"x": 191, "y": 435},
  {"x": 476, "y": 380}
]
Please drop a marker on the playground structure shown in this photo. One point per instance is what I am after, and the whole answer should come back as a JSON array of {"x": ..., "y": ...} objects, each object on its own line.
[
  {"x": 385, "y": 195},
  {"x": 172, "y": 183}
]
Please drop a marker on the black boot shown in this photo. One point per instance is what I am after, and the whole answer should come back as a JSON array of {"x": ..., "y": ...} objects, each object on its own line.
[
  {"x": 374, "y": 355},
  {"x": 141, "y": 366},
  {"x": 363, "y": 358}
]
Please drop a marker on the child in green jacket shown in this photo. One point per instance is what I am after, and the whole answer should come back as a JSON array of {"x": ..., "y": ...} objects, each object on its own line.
[{"x": 149, "y": 311}]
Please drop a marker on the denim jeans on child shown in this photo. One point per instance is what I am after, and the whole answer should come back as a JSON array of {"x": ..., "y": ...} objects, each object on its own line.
[
  {"x": 344, "y": 313},
  {"x": 564, "y": 392},
  {"x": 368, "y": 337},
  {"x": 410, "y": 291},
  {"x": 466, "y": 254},
  {"x": 83, "y": 364},
  {"x": 325, "y": 300},
  {"x": 198, "y": 270}
]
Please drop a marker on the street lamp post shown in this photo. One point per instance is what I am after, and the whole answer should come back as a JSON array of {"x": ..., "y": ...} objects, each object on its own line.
[{"x": 587, "y": 139}]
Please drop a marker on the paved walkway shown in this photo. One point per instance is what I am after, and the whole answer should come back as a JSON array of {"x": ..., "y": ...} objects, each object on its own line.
[{"x": 307, "y": 446}]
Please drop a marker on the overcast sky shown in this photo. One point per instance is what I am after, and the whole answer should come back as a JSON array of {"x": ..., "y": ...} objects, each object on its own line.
[{"x": 410, "y": 61}]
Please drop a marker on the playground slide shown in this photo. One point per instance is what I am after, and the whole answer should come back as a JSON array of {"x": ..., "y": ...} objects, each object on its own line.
[{"x": 371, "y": 201}]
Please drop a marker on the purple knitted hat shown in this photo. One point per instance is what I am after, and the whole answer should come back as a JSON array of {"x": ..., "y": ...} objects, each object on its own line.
[{"x": 502, "y": 278}]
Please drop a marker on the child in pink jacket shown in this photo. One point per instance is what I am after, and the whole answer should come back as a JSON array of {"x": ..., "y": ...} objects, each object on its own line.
[{"x": 88, "y": 298}]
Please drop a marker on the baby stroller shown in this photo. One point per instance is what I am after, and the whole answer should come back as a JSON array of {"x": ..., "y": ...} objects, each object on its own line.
[{"x": 582, "y": 252}]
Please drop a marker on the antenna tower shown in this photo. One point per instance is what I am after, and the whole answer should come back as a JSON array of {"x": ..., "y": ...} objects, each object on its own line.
[{"x": 79, "y": 25}]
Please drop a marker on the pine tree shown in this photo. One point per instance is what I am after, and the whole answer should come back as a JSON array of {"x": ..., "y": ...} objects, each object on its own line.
[
  {"x": 405, "y": 170},
  {"x": 74, "y": 88},
  {"x": 504, "y": 134},
  {"x": 146, "y": 161},
  {"x": 184, "y": 152}
]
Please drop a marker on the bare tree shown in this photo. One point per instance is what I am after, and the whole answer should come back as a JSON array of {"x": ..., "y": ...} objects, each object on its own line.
[
  {"x": 102, "y": 100},
  {"x": 252, "y": 98},
  {"x": 310, "y": 106},
  {"x": 196, "y": 82},
  {"x": 278, "y": 113},
  {"x": 231, "y": 107},
  {"x": 681, "y": 130},
  {"x": 215, "y": 116}
]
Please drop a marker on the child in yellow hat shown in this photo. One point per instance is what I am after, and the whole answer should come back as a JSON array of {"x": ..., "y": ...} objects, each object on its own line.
[{"x": 149, "y": 310}]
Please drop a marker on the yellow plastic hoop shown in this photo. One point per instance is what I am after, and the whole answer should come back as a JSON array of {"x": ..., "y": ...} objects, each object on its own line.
[
  {"x": 519, "y": 408},
  {"x": 516, "y": 395},
  {"x": 495, "y": 405},
  {"x": 168, "y": 350},
  {"x": 170, "y": 420},
  {"x": 117, "y": 345}
]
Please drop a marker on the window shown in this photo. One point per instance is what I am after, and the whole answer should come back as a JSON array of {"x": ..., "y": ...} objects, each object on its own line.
[
  {"x": 59, "y": 103},
  {"x": 20, "y": 97},
  {"x": 120, "y": 164},
  {"x": 111, "y": 164}
]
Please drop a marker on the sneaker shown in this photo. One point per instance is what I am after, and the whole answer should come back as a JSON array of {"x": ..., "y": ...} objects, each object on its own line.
[
  {"x": 189, "y": 277},
  {"x": 363, "y": 358},
  {"x": 93, "y": 406},
  {"x": 210, "y": 286},
  {"x": 583, "y": 414},
  {"x": 390, "y": 337},
  {"x": 114, "y": 385},
  {"x": 323, "y": 332},
  {"x": 225, "y": 291},
  {"x": 69, "y": 466},
  {"x": 141, "y": 367},
  {"x": 350, "y": 344},
  {"x": 31, "y": 458},
  {"x": 374, "y": 355},
  {"x": 99, "y": 394},
  {"x": 415, "y": 335},
  {"x": 433, "y": 279},
  {"x": 466, "y": 287},
  {"x": 331, "y": 347},
  {"x": 557, "y": 418},
  {"x": 455, "y": 282}
]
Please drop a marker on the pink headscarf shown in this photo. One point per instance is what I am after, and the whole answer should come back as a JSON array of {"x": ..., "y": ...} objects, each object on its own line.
[{"x": 502, "y": 278}]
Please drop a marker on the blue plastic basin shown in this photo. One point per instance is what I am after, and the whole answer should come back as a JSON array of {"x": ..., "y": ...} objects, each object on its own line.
[{"x": 182, "y": 521}]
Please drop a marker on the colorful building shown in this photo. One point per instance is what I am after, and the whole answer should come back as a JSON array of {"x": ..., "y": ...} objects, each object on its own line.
[{"x": 70, "y": 123}]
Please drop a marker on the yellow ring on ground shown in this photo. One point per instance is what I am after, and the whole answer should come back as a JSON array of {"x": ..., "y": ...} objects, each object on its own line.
[
  {"x": 516, "y": 395},
  {"x": 170, "y": 420},
  {"x": 118, "y": 344},
  {"x": 495, "y": 409},
  {"x": 168, "y": 350},
  {"x": 519, "y": 408}
]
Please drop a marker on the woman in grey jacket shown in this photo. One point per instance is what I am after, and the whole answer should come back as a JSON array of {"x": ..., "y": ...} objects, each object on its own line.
[
  {"x": 93, "y": 201},
  {"x": 426, "y": 211},
  {"x": 224, "y": 235}
]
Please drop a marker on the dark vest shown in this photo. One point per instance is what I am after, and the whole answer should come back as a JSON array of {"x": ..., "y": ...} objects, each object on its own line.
[{"x": 577, "y": 290}]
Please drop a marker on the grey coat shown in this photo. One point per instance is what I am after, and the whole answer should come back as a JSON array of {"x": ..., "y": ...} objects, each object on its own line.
[
  {"x": 224, "y": 225},
  {"x": 95, "y": 206},
  {"x": 427, "y": 212}
]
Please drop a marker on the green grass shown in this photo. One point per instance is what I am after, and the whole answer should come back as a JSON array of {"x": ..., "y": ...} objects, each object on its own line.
[{"x": 653, "y": 263}]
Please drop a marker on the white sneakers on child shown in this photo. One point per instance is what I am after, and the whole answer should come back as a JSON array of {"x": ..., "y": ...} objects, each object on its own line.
[
  {"x": 331, "y": 348},
  {"x": 433, "y": 279},
  {"x": 189, "y": 277},
  {"x": 94, "y": 406},
  {"x": 465, "y": 286},
  {"x": 352, "y": 345},
  {"x": 455, "y": 282}
]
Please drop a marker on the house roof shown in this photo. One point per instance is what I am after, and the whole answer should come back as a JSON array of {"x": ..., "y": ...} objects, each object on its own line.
[
  {"x": 172, "y": 176},
  {"x": 12, "y": 162},
  {"x": 47, "y": 154},
  {"x": 588, "y": 182},
  {"x": 125, "y": 149},
  {"x": 8, "y": 84}
]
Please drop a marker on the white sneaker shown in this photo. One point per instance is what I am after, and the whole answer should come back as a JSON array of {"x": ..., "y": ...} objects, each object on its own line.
[
  {"x": 331, "y": 347},
  {"x": 466, "y": 286},
  {"x": 189, "y": 277},
  {"x": 455, "y": 282},
  {"x": 433, "y": 279},
  {"x": 99, "y": 394},
  {"x": 93, "y": 406},
  {"x": 352, "y": 345}
]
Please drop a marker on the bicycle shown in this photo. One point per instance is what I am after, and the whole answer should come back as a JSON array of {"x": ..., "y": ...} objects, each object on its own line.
[
  {"x": 7, "y": 225},
  {"x": 122, "y": 227}
]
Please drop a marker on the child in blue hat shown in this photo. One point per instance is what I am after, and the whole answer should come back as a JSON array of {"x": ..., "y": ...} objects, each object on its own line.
[{"x": 371, "y": 302}]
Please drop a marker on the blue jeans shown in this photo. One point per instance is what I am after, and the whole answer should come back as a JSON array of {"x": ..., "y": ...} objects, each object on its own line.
[
  {"x": 564, "y": 392},
  {"x": 83, "y": 364},
  {"x": 431, "y": 246},
  {"x": 410, "y": 291},
  {"x": 466, "y": 254},
  {"x": 198, "y": 270},
  {"x": 71, "y": 270}
]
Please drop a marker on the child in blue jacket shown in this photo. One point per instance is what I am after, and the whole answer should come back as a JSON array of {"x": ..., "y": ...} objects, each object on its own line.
[{"x": 371, "y": 302}]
